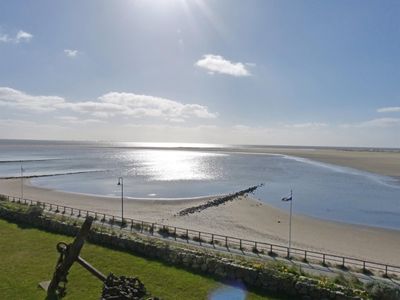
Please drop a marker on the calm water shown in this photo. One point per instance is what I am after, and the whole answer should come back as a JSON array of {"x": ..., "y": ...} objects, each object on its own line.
[{"x": 320, "y": 190}]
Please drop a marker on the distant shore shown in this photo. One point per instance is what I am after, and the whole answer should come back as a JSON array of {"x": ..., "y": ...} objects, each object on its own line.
[
  {"x": 385, "y": 163},
  {"x": 244, "y": 218}
]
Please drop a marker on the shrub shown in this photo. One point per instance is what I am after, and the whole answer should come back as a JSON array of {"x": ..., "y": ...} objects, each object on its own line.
[
  {"x": 164, "y": 231},
  {"x": 35, "y": 211},
  {"x": 184, "y": 236},
  {"x": 382, "y": 291},
  {"x": 198, "y": 239},
  {"x": 256, "y": 250}
]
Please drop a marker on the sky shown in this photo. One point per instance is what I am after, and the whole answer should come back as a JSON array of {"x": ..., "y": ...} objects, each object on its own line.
[{"x": 322, "y": 73}]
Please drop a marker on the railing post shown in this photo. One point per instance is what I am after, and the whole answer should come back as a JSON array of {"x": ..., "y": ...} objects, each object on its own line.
[
  {"x": 386, "y": 270},
  {"x": 240, "y": 244},
  {"x": 226, "y": 242},
  {"x": 323, "y": 259},
  {"x": 212, "y": 239},
  {"x": 343, "y": 262},
  {"x": 131, "y": 225}
]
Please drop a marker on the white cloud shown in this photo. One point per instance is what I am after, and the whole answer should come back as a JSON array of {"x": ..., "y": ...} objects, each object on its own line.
[
  {"x": 375, "y": 123},
  {"x": 216, "y": 63},
  {"x": 21, "y": 36},
  {"x": 20, "y": 100},
  {"x": 307, "y": 125},
  {"x": 389, "y": 109},
  {"x": 71, "y": 52},
  {"x": 75, "y": 120},
  {"x": 381, "y": 122},
  {"x": 149, "y": 106},
  {"x": 109, "y": 105},
  {"x": 4, "y": 38}
]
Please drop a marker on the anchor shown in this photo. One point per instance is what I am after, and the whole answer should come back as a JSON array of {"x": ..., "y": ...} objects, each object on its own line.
[
  {"x": 113, "y": 287},
  {"x": 69, "y": 253}
]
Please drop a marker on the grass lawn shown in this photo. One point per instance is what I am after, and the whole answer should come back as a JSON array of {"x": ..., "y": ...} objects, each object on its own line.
[{"x": 28, "y": 256}]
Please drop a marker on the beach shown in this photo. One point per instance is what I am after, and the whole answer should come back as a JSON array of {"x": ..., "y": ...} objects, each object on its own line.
[
  {"x": 380, "y": 162},
  {"x": 244, "y": 217}
]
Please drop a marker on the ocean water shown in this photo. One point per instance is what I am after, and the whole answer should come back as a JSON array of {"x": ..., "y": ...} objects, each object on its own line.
[{"x": 164, "y": 171}]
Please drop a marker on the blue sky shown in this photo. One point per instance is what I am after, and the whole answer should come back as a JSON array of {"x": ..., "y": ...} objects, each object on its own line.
[{"x": 226, "y": 71}]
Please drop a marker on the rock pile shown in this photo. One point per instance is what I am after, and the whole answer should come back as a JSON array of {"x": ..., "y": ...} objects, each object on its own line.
[
  {"x": 124, "y": 288},
  {"x": 218, "y": 201}
]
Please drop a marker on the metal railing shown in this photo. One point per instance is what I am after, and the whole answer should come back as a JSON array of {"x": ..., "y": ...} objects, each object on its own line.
[{"x": 214, "y": 240}]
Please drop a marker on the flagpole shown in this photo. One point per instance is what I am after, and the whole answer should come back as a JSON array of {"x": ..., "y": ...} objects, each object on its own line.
[
  {"x": 22, "y": 182},
  {"x": 290, "y": 223}
]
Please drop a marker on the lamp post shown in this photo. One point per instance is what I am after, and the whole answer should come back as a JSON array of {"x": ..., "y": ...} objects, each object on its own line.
[
  {"x": 121, "y": 183},
  {"x": 22, "y": 182}
]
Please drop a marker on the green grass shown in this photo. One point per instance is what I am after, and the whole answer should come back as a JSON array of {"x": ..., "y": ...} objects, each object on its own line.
[{"x": 28, "y": 256}]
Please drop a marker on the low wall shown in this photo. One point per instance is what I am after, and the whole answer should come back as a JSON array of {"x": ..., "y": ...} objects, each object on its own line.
[{"x": 261, "y": 277}]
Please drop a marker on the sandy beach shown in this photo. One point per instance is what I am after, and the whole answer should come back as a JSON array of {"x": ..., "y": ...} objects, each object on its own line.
[
  {"x": 244, "y": 218},
  {"x": 380, "y": 162}
]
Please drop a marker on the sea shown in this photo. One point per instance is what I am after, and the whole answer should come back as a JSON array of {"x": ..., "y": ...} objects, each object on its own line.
[{"x": 170, "y": 171}]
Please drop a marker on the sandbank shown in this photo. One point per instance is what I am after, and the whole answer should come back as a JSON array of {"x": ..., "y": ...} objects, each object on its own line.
[{"x": 380, "y": 162}]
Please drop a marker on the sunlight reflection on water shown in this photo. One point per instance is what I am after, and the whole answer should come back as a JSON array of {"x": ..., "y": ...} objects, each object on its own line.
[{"x": 174, "y": 165}]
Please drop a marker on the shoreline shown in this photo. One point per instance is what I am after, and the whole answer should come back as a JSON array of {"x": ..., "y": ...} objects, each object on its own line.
[{"x": 244, "y": 217}]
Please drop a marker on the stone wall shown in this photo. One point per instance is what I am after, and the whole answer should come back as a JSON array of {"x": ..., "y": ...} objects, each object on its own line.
[{"x": 206, "y": 262}]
